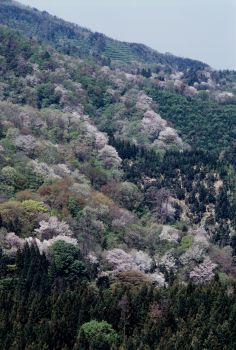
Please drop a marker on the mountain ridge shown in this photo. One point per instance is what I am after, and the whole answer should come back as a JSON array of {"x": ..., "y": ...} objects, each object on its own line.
[{"x": 108, "y": 46}]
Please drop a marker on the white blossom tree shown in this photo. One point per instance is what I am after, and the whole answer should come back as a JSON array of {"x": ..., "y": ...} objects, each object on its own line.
[
  {"x": 152, "y": 124},
  {"x": 14, "y": 241},
  {"x": 26, "y": 143},
  {"x": 44, "y": 245},
  {"x": 203, "y": 272},
  {"x": 136, "y": 260},
  {"x": 109, "y": 157},
  {"x": 51, "y": 228}
]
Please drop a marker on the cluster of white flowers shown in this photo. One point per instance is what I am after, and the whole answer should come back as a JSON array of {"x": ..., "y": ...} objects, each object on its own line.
[
  {"x": 158, "y": 131},
  {"x": 169, "y": 261},
  {"x": 224, "y": 96},
  {"x": 190, "y": 91},
  {"x": 144, "y": 102},
  {"x": 43, "y": 246},
  {"x": 14, "y": 241},
  {"x": 62, "y": 170},
  {"x": 122, "y": 218},
  {"x": 152, "y": 124},
  {"x": 100, "y": 138},
  {"x": 196, "y": 252},
  {"x": 26, "y": 143},
  {"x": 157, "y": 278},
  {"x": 170, "y": 234},
  {"x": 203, "y": 272},
  {"x": 43, "y": 169},
  {"x": 81, "y": 189},
  {"x": 120, "y": 261},
  {"x": 135, "y": 260},
  {"x": 109, "y": 157},
  {"x": 53, "y": 227}
]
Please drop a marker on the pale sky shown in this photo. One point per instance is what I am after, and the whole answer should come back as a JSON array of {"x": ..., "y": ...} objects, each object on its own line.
[{"x": 199, "y": 29}]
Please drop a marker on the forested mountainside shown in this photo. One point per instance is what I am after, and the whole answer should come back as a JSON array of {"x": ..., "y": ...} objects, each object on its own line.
[
  {"x": 117, "y": 192},
  {"x": 71, "y": 39},
  {"x": 168, "y": 70}
]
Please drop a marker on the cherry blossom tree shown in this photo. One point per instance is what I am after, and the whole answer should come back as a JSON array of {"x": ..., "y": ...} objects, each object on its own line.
[
  {"x": 14, "y": 241},
  {"x": 53, "y": 227},
  {"x": 109, "y": 157}
]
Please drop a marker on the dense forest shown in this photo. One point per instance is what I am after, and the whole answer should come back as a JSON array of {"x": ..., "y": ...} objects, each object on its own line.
[
  {"x": 203, "y": 124},
  {"x": 117, "y": 192},
  {"x": 55, "y": 306}
]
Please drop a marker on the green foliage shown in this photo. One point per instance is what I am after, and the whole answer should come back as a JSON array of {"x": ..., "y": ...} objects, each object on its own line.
[
  {"x": 55, "y": 302},
  {"x": 78, "y": 316},
  {"x": 9, "y": 175},
  {"x": 15, "y": 217},
  {"x": 186, "y": 242},
  {"x": 46, "y": 95},
  {"x": 6, "y": 192},
  {"x": 33, "y": 205},
  {"x": 30, "y": 180},
  {"x": 203, "y": 124},
  {"x": 223, "y": 277},
  {"x": 96, "y": 335},
  {"x": 74, "y": 207},
  {"x": 66, "y": 260},
  {"x": 14, "y": 53}
]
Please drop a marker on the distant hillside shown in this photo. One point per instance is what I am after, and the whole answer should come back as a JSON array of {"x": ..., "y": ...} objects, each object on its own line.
[
  {"x": 117, "y": 193},
  {"x": 74, "y": 40},
  {"x": 36, "y": 75}
]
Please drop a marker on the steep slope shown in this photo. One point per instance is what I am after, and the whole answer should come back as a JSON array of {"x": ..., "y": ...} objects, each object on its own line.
[
  {"x": 113, "y": 185},
  {"x": 128, "y": 105},
  {"x": 108, "y": 202},
  {"x": 46, "y": 79},
  {"x": 171, "y": 71}
]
